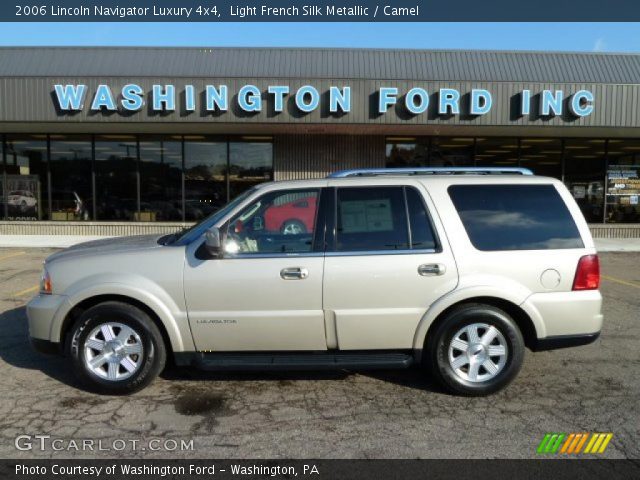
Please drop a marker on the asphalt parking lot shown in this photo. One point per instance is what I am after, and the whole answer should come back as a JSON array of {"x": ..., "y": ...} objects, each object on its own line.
[{"x": 595, "y": 388}]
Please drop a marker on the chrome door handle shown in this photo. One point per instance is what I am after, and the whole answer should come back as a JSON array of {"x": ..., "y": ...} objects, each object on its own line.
[
  {"x": 431, "y": 269},
  {"x": 294, "y": 273}
]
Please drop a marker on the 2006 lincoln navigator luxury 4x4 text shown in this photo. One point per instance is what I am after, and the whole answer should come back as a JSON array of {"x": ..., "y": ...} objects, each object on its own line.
[{"x": 459, "y": 270}]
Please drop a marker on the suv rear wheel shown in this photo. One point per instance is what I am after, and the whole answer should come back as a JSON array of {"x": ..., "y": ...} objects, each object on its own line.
[
  {"x": 476, "y": 350},
  {"x": 116, "y": 348}
]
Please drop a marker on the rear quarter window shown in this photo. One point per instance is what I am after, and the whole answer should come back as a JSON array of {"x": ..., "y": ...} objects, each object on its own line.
[{"x": 515, "y": 217}]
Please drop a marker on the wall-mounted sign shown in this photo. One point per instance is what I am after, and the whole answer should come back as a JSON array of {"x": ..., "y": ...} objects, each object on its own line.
[
  {"x": 338, "y": 99},
  {"x": 23, "y": 197}
]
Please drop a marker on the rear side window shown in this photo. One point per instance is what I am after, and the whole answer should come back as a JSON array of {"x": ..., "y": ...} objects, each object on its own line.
[
  {"x": 382, "y": 218},
  {"x": 371, "y": 219},
  {"x": 515, "y": 217},
  {"x": 422, "y": 236}
]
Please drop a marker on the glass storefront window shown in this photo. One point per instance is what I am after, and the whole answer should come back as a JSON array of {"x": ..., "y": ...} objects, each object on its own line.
[
  {"x": 205, "y": 173},
  {"x": 542, "y": 155},
  {"x": 3, "y": 181},
  {"x": 452, "y": 152},
  {"x": 404, "y": 152},
  {"x": 26, "y": 177},
  {"x": 160, "y": 180},
  {"x": 250, "y": 163},
  {"x": 584, "y": 175},
  {"x": 623, "y": 182},
  {"x": 116, "y": 190},
  {"x": 71, "y": 189},
  {"x": 496, "y": 152}
]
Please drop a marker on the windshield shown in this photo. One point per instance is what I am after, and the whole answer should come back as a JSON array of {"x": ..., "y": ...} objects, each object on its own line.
[{"x": 190, "y": 234}]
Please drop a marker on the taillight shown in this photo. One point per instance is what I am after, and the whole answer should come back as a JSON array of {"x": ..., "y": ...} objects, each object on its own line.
[{"x": 587, "y": 273}]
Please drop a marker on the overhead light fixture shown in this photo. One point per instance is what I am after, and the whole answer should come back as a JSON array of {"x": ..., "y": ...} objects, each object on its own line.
[
  {"x": 117, "y": 137},
  {"x": 401, "y": 139},
  {"x": 259, "y": 138},
  {"x": 537, "y": 140}
]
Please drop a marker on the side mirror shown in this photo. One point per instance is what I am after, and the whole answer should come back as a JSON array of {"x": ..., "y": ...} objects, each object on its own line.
[{"x": 212, "y": 242}]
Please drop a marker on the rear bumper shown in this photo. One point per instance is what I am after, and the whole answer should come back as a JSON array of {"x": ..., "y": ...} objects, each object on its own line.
[
  {"x": 565, "y": 314},
  {"x": 564, "y": 341}
]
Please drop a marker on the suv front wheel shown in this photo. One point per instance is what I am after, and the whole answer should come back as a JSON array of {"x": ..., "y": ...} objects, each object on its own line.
[
  {"x": 116, "y": 348},
  {"x": 476, "y": 350}
]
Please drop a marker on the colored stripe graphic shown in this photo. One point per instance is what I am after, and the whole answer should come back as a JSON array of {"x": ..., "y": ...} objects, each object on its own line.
[
  {"x": 551, "y": 442},
  {"x": 572, "y": 443},
  {"x": 581, "y": 443}
]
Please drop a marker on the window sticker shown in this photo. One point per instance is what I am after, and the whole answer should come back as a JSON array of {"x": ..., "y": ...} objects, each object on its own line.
[{"x": 366, "y": 216}]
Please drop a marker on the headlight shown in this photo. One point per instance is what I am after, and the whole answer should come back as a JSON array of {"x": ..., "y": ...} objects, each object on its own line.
[{"x": 45, "y": 282}]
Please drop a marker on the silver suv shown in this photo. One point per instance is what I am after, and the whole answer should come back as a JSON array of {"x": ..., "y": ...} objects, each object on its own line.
[{"x": 455, "y": 269}]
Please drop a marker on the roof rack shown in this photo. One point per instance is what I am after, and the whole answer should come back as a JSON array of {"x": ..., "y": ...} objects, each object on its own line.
[{"x": 371, "y": 172}]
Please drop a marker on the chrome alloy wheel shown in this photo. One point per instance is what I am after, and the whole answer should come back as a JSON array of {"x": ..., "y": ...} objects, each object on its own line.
[
  {"x": 113, "y": 351},
  {"x": 478, "y": 352}
]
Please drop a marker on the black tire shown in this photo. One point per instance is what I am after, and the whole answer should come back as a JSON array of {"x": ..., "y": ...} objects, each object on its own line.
[
  {"x": 294, "y": 223},
  {"x": 437, "y": 349},
  {"x": 153, "y": 357}
]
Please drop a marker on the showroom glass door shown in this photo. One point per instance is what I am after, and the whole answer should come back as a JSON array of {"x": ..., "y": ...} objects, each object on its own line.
[
  {"x": 205, "y": 176},
  {"x": 116, "y": 177}
]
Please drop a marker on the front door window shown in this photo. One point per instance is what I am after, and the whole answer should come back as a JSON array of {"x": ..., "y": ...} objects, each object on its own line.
[{"x": 278, "y": 222}]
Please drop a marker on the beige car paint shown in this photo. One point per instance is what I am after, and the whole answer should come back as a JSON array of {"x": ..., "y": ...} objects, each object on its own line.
[{"x": 350, "y": 301}]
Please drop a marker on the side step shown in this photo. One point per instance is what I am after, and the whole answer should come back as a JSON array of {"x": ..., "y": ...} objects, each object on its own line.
[{"x": 301, "y": 361}]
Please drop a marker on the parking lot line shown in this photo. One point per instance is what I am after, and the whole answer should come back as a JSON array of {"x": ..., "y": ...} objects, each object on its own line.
[
  {"x": 11, "y": 255},
  {"x": 620, "y": 281},
  {"x": 26, "y": 290}
]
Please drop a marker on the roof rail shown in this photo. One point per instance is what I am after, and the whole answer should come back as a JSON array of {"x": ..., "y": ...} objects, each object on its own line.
[{"x": 367, "y": 172}]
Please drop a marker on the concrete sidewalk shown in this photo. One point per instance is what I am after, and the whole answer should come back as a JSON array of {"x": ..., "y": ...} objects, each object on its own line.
[
  {"x": 63, "y": 241},
  {"x": 44, "y": 241}
]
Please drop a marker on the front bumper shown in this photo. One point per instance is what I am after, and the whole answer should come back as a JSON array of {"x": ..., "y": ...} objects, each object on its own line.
[
  {"x": 45, "y": 346},
  {"x": 41, "y": 312}
]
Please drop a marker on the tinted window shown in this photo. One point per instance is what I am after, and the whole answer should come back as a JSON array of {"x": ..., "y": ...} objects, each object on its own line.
[
  {"x": 277, "y": 222},
  {"x": 422, "y": 236},
  {"x": 371, "y": 219},
  {"x": 515, "y": 217}
]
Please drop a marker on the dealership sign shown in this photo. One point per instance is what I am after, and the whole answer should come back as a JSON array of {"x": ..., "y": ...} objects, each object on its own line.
[{"x": 251, "y": 99}]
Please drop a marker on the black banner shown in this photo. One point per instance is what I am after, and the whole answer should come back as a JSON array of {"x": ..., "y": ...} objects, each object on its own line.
[
  {"x": 318, "y": 11},
  {"x": 320, "y": 469}
]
